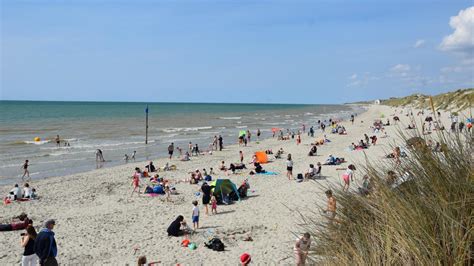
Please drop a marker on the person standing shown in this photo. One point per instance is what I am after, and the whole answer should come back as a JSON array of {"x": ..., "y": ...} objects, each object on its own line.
[
  {"x": 195, "y": 215},
  {"x": 259, "y": 133},
  {"x": 29, "y": 257},
  {"x": 206, "y": 196},
  {"x": 171, "y": 150},
  {"x": 301, "y": 248},
  {"x": 289, "y": 167},
  {"x": 25, "y": 170},
  {"x": 45, "y": 245},
  {"x": 221, "y": 142},
  {"x": 99, "y": 157},
  {"x": 241, "y": 154},
  {"x": 248, "y": 135},
  {"x": 58, "y": 141}
]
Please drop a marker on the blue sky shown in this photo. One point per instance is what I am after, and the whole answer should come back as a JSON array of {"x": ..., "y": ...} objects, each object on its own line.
[{"x": 234, "y": 51}]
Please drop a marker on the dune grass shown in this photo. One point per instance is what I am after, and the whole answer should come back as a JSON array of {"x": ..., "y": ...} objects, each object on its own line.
[{"x": 427, "y": 220}]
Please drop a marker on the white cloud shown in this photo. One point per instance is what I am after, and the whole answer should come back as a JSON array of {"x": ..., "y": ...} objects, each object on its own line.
[
  {"x": 400, "y": 68},
  {"x": 419, "y": 43},
  {"x": 359, "y": 80},
  {"x": 462, "y": 39},
  {"x": 354, "y": 76}
]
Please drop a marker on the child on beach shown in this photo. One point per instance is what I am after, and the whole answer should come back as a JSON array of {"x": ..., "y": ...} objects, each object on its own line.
[
  {"x": 214, "y": 205},
  {"x": 330, "y": 211},
  {"x": 136, "y": 182},
  {"x": 348, "y": 176},
  {"x": 195, "y": 216},
  {"x": 25, "y": 170}
]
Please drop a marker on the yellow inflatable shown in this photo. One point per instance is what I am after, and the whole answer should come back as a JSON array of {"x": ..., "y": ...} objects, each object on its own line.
[{"x": 37, "y": 139}]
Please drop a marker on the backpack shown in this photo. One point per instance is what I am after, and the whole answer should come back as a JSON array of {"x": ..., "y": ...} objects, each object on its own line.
[{"x": 215, "y": 244}]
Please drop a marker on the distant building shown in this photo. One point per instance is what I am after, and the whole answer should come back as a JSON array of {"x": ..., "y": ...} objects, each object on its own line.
[{"x": 377, "y": 102}]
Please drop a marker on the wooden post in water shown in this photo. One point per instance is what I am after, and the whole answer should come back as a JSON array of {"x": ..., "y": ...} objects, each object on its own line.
[{"x": 146, "y": 126}]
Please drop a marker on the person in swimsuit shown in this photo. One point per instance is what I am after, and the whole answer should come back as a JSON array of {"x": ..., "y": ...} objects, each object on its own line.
[
  {"x": 25, "y": 170},
  {"x": 171, "y": 150},
  {"x": 289, "y": 167},
  {"x": 331, "y": 208}
]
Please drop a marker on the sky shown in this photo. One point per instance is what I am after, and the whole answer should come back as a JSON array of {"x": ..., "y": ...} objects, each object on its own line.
[{"x": 313, "y": 52}]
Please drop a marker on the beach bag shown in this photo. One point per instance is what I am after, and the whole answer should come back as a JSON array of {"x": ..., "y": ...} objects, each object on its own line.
[
  {"x": 215, "y": 244},
  {"x": 299, "y": 176}
]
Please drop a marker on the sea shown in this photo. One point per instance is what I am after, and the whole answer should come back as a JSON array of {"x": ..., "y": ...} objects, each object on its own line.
[{"x": 118, "y": 128}]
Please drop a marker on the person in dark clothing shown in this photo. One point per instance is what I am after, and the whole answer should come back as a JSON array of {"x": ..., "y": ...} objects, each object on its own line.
[
  {"x": 206, "y": 195},
  {"x": 151, "y": 167},
  {"x": 258, "y": 168},
  {"x": 221, "y": 141},
  {"x": 28, "y": 242},
  {"x": 175, "y": 227},
  {"x": 45, "y": 245}
]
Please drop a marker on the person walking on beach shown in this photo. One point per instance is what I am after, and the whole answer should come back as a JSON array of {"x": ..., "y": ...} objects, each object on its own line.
[
  {"x": 331, "y": 208},
  {"x": 241, "y": 154},
  {"x": 301, "y": 248},
  {"x": 221, "y": 143},
  {"x": 190, "y": 147},
  {"x": 58, "y": 141},
  {"x": 25, "y": 170},
  {"x": 259, "y": 133},
  {"x": 29, "y": 257},
  {"x": 248, "y": 135},
  {"x": 195, "y": 215},
  {"x": 45, "y": 245},
  {"x": 215, "y": 142},
  {"x": 298, "y": 139},
  {"x": 171, "y": 150},
  {"x": 289, "y": 167},
  {"x": 133, "y": 155}
]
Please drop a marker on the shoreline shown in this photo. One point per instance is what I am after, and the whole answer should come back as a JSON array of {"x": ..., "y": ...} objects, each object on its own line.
[{"x": 5, "y": 181}]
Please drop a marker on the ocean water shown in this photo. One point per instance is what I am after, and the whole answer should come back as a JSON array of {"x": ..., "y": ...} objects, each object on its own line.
[{"x": 118, "y": 128}]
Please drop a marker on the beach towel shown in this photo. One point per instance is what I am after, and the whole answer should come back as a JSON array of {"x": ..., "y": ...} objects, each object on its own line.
[{"x": 268, "y": 173}]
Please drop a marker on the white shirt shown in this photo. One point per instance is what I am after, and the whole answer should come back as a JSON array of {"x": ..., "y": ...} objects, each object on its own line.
[
  {"x": 17, "y": 192},
  {"x": 27, "y": 192},
  {"x": 289, "y": 163},
  {"x": 195, "y": 211}
]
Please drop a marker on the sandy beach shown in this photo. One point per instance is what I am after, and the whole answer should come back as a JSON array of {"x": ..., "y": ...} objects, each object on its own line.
[{"x": 98, "y": 222}]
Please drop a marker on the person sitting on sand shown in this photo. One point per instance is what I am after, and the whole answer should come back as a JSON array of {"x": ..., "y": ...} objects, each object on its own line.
[
  {"x": 311, "y": 172},
  {"x": 222, "y": 167},
  {"x": 331, "y": 160},
  {"x": 313, "y": 151},
  {"x": 16, "y": 193},
  {"x": 175, "y": 228},
  {"x": 185, "y": 157},
  {"x": 258, "y": 168},
  {"x": 365, "y": 189},
  {"x": 150, "y": 167},
  {"x": 27, "y": 191}
]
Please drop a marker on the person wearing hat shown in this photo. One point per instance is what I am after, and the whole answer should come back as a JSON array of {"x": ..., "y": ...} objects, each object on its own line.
[
  {"x": 45, "y": 244},
  {"x": 245, "y": 259}
]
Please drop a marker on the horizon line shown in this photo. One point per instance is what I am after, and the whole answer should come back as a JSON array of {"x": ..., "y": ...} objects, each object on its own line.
[{"x": 89, "y": 101}]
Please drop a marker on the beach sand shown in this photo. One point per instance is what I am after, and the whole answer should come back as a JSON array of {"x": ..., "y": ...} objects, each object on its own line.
[{"x": 98, "y": 222}]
